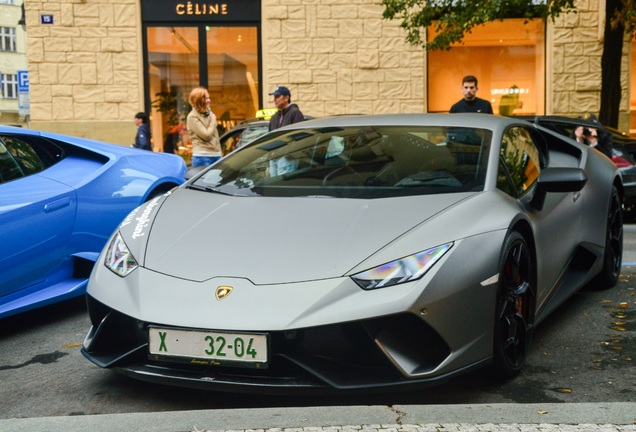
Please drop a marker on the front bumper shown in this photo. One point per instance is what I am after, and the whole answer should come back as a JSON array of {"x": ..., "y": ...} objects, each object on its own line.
[{"x": 345, "y": 357}]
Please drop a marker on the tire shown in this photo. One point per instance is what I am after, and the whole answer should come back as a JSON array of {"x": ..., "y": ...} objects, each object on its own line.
[
  {"x": 613, "y": 254},
  {"x": 514, "y": 307}
]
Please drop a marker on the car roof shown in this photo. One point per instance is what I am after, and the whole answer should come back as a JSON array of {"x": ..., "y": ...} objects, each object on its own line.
[{"x": 484, "y": 121}]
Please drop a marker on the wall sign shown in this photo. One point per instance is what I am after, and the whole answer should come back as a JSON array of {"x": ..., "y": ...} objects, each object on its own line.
[
  {"x": 46, "y": 19},
  {"x": 201, "y": 10},
  {"x": 24, "y": 100}
]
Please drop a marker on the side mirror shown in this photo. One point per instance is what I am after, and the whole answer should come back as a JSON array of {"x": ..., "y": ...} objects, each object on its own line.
[{"x": 557, "y": 180}]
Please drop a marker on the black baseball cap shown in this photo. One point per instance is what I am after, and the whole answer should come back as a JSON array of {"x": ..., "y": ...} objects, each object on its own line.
[{"x": 281, "y": 90}]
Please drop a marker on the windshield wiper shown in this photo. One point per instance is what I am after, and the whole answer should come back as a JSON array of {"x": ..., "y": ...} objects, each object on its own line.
[{"x": 208, "y": 189}]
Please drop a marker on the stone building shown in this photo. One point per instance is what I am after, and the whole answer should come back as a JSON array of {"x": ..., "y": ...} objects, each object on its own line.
[
  {"x": 94, "y": 63},
  {"x": 13, "y": 62}
]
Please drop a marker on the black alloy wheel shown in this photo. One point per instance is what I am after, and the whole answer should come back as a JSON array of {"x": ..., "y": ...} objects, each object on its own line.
[
  {"x": 613, "y": 254},
  {"x": 514, "y": 311}
]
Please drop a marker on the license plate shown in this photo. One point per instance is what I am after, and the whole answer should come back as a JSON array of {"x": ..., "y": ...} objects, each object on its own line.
[{"x": 214, "y": 348}]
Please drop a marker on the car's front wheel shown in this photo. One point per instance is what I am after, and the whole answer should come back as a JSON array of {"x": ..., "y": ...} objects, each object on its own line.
[{"x": 515, "y": 305}]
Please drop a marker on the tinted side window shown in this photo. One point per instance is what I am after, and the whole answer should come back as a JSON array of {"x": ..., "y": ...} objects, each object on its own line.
[
  {"x": 521, "y": 162},
  {"x": 17, "y": 159}
]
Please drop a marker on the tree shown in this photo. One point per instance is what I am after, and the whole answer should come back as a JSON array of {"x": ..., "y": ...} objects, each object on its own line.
[{"x": 452, "y": 19}]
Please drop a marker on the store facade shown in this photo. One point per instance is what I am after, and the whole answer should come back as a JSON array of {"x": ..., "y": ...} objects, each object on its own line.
[{"x": 97, "y": 64}]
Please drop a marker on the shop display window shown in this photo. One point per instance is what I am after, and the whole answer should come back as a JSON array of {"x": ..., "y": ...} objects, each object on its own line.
[
  {"x": 223, "y": 59},
  {"x": 508, "y": 59}
]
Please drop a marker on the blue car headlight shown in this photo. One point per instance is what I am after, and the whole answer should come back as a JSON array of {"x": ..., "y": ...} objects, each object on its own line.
[
  {"x": 119, "y": 259},
  {"x": 405, "y": 269}
]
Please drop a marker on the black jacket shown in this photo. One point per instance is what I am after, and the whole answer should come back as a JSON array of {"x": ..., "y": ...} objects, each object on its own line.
[
  {"x": 142, "y": 140},
  {"x": 475, "y": 106},
  {"x": 289, "y": 115}
]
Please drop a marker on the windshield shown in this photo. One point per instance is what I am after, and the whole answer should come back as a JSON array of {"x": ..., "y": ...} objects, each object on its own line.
[{"x": 355, "y": 162}]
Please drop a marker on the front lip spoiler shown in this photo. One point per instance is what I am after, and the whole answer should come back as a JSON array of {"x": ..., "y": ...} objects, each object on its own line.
[{"x": 237, "y": 384}]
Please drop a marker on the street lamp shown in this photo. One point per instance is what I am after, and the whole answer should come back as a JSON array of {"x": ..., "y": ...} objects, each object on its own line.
[{"x": 22, "y": 20}]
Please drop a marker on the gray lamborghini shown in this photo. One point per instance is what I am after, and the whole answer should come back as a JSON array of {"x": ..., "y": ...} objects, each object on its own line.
[{"x": 355, "y": 253}]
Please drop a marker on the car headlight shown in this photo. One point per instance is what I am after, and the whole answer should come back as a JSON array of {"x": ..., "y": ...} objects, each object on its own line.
[
  {"x": 406, "y": 269},
  {"x": 119, "y": 260}
]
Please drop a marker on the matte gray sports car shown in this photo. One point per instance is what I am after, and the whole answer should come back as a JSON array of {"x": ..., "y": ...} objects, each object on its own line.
[{"x": 357, "y": 252}]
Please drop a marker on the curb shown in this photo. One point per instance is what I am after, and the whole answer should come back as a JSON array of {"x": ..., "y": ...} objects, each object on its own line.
[{"x": 590, "y": 416}]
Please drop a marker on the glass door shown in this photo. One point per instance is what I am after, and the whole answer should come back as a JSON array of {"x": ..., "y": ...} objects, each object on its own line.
[
  {"x": 232, "y": 71},
  {"x": 223, "y": 59}
]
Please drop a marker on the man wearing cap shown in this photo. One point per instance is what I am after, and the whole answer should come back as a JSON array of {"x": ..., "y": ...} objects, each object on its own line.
[{"x": 288, "y": 112}]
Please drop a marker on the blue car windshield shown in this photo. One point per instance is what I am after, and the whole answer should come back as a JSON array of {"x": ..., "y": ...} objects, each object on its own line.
[{"x": 355, "y": 162}]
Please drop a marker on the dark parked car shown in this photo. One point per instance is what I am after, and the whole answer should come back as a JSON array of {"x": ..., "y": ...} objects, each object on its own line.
[
  {"x": 243, "y": 133},
  {"x": 623, "y": 154}
]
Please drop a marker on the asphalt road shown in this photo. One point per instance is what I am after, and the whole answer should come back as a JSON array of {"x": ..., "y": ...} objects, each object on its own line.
[{"x": 585, "y": 352}]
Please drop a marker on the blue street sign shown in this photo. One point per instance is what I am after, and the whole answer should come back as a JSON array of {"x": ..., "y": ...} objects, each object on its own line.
[
  {"x": 46, "y": 18},
  {"x": 23, "y": 81}
]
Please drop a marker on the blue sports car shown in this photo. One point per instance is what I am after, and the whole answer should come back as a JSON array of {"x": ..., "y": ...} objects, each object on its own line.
[{"x": 61, "y": 198}]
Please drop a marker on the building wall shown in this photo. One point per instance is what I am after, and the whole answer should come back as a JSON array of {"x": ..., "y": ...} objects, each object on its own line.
[
  {"x": 575, "y": 72},
  {"x": 11, "y": 62},
  {"x": 336, "y": 56},
  {"x": 341, "y": 57},
  {"x": 85, "y": 69}
]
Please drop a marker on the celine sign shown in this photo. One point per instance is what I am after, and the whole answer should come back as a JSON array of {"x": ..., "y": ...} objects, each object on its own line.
[{"x": 201, "y": 10}]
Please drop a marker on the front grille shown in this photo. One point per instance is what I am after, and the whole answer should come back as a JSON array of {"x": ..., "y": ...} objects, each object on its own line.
[{"x": 343, "y": 356}]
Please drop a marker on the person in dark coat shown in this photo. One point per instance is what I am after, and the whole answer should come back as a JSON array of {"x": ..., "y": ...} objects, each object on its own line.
[
  {"x": 288, "y": 112},
  {"x": 142, "y": 140},
  {"x": 598, "y": 138}
]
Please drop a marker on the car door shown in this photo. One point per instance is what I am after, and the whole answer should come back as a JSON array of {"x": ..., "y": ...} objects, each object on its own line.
[
  {"x": 36, "y": 216},
  {"x": 556, "y": 233}
]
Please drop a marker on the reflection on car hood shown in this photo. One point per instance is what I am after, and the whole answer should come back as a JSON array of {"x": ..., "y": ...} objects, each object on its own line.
[{"x": 198, "y": 235}]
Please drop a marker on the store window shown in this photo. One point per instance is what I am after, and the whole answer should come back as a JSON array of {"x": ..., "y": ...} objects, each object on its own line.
[
  {"x": 230, "y": 73},
  {"x": 9, "y": 86},
  {"x": 197, "y": 43},
  {"x": 508, "y": 59},
  {"x": 8, "y": 39}
]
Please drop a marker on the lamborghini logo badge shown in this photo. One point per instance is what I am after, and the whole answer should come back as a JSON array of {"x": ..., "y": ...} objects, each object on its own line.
[{"x": 223, "y": 291}]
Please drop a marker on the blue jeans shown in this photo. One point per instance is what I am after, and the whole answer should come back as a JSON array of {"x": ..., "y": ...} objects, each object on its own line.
[{"x": 198, "y": 161}]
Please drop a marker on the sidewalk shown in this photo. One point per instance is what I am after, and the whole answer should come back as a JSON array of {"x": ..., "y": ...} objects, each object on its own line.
[{"x": 553, "y": 417}]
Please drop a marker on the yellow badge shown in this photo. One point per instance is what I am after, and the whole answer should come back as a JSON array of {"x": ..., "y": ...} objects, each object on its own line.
[{"x": 223, "y": 291}]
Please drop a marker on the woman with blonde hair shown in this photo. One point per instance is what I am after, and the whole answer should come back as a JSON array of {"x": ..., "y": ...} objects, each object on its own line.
[{"x": 201, "y": 124}]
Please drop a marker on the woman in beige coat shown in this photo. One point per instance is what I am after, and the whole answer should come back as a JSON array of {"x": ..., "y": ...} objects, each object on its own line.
[{"x": 201, "y": 124}]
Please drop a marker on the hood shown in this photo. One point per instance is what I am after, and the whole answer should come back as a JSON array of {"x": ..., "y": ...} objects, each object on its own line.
[{"x": 197, "y": 235}]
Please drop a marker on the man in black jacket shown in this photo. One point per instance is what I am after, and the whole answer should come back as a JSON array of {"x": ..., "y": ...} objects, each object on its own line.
[
  {"x": 142, "y": 139},
  {"x": 471, "y": 103},
  {"x": 288, "y": 112}
]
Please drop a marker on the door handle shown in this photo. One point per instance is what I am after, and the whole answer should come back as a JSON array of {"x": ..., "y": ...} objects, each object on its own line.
[{"x": 57, "y": 204}]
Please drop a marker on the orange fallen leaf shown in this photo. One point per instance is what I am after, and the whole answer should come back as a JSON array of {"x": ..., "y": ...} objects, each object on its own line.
[
  {"x": 564, "y": 390},
  {"x": 72, "y": 345},
  {"x": 542, "y": 412}
]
